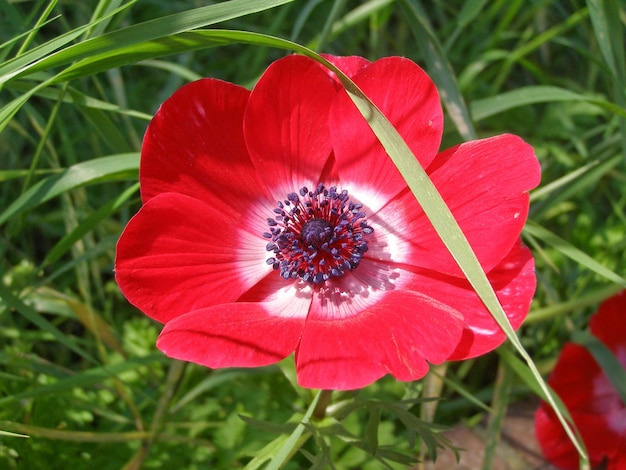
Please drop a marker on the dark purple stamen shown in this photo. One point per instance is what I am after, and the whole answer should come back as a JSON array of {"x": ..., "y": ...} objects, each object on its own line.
[{"x": 317, "y": 235}]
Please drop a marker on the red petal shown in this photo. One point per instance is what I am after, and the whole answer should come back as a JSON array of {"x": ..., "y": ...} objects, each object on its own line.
[
  {"x": 409, "y": 99},
  {"x": 573, "y": 375},
  {"x": 594, "y": 404},
  {"x": 286, "y": 124},
  {"x": 602, "y": 444},
  {"x": 351, "y": 338},
  {"x": 514, "y": 282},
  {"x": 555, "y": 445},
  {"x": 195, "y": 146},
  {"x": 485, "y": 184},
  {"x": 231, "y": 335},
  {"x": 350, "y": 65},
  {"x": 179, "y": 254},
  {"x": 584, "y": 388},
  {"x": 609, "y": 325}
]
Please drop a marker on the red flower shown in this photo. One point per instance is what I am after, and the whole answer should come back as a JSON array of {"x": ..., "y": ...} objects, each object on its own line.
[
  {"x": 273, "y": 222},
  {"x": 591, "y": 399}
]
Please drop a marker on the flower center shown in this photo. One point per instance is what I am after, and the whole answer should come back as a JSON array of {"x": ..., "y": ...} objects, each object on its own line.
[{"x": 317, "y": 234}]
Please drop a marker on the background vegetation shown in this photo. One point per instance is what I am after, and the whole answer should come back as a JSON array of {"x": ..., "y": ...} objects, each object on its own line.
[{"x": 79, "y": 81}]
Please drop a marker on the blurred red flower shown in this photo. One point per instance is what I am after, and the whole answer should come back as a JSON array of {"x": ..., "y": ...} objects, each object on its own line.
[
  {"x": 273, "y": 221},
  {"x": 591, "y": 399}
]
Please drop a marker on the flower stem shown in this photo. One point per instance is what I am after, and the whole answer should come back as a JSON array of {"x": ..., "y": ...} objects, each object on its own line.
[{"x": 322, "y": 404}]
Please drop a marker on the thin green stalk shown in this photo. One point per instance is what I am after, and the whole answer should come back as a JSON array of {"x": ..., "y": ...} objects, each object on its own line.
[
  {"x": 296, "y": 439},
  {"x": 336, "y": 10},
  {"x": 42, "y": 19},
  {"x": 433, "y": 385},
  {"x": 322, "y": 404},
  {"x": 499, "y": 405},
  {"x": 43, "y": 140}
]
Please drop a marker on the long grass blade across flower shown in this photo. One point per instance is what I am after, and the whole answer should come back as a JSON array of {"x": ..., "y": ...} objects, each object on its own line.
[{"x": 448, "y": 229}]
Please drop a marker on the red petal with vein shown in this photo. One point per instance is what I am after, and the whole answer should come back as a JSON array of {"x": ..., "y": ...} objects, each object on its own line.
[
  {"x": 485, "y": 184},
  {"x": 179, "y": 254},
  {"x": 409, "y": 99},
  {"x": 286, "y": 124},
  {"x": 396, "y": 335},
  {"x": 514, "y": 282},
  {"x": 231, "y": 335},
  {"x": 195, "y": 146}
]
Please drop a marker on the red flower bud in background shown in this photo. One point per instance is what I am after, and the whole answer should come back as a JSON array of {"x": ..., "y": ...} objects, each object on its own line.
[{"x": 592, "y": 400}]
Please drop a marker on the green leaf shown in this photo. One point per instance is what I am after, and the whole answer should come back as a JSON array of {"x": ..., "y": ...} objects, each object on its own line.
[
  {"x": 266, "y": 453},
  {"x": 268, "y": 426},
  {"x": 525, "y": 96},
  {"x": 112, "y": 168},
  {"x": 370, "y": 435},
  {"x": 471, "y": 9}
]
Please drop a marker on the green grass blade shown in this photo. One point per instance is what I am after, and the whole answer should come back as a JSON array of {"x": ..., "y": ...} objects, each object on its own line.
[
  {"x": 522, "y": 372},
  {"x": 183, "y": 42},
  {"x": 74, "y": 96},
  {"x": 517, "y": 55},
  {"x": 290, "y": 444},
  {"x": 87, "y": 378},
  {"x": 42, "y": 20},
  {"x": 102, "y": 10},
  {"x": 592, "y": 298},
  {"x": 569, "y": 187},
  {"x": 10, "y": 109},
  {"x": 439, "y": 68},
  {"x": 363, "y": 11},
  {"x": 605, "y": 18},
  {"x": 501, "y": 397},
  {"x": 5, "y": 46},
  {"x": 448, "y": 230},
  {"x": 13, "y": 302},
  {"x": 116, "y": 167},
  {"x": 524, "y": 96},
  {"x": 150, "y": 30},
  {"x": 86, "y": 226},
  {"x": 572, "y": 252},
  {"x": 17, "y": 66},
  {"x": 546, "y": 189}
]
